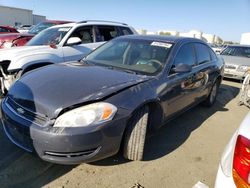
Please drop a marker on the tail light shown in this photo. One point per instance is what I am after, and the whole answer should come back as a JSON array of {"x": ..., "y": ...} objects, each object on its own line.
[{"x": 241, "y": 162}]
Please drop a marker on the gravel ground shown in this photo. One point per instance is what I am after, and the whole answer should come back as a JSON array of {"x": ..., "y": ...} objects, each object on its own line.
[{"x": 180, "y": 154}]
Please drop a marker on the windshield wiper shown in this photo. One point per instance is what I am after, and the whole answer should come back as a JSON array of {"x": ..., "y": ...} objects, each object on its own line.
[{"x": 121, "y": 69}]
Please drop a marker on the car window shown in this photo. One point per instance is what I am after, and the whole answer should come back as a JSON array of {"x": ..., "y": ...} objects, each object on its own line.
[
  {"x": 145, "y": 57},
  {"x": 241, "y": 51},
  {"x": 213, "y": 55},
  {"x": 106, "y": 33},
  {"x": 84, "y": 33},
  {"x": 126, "y": 31},
  {"x": 49, "y": 36},
  {"x": 202, "y": 53},
  {"x": 185, "y": 55},
  {"x": 3, "y": 30},
  {"x": 41, "y": 26}
]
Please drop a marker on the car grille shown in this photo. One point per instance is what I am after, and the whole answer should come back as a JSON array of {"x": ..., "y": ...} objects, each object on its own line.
[
  {"x": 33, "y": 117},
  {"x": 230, "y": 66}
]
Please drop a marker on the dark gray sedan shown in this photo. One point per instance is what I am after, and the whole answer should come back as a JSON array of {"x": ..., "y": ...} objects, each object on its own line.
[{"x": 85, "y": 111}]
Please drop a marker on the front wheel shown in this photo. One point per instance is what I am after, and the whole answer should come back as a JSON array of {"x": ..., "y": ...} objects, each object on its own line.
[
  {"x": 212, "y": 95},
  {"x": 135, "y": 135}
]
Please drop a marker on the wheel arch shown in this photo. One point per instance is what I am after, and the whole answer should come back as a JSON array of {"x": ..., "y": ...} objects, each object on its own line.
[
  {"x": 33, "y": 66},
  {"x": 156, "y": 113}
]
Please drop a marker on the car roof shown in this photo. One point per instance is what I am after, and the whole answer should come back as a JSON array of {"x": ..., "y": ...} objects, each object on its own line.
[
  {"x": 171, "y": 39},
  {"x": 239, "y": 45},
  {"x": 92, "y": 22}
]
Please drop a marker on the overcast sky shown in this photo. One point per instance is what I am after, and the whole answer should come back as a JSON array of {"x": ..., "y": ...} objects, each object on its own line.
[{"x": 225, "y": 18}]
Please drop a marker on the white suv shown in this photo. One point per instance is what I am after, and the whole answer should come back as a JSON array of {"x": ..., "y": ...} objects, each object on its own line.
[{"x": 61, "y": 43}]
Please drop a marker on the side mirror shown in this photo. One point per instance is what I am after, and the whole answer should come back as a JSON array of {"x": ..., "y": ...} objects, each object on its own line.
[
  {"x": 73, "y": 41},
  {"x": 182, "y": 68}
]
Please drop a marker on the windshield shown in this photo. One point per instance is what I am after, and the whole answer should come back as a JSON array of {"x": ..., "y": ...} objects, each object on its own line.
[
  {"x": 237, "y": 51},
  {"x": 39, "y": 27},
  {"x": 139, "y": 56},
  {"x": 49, "y": 36}
]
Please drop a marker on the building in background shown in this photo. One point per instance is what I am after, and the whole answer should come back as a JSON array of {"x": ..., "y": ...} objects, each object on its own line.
[
  {"x": 38, "y": 18},
  {"x": 245, "y": 39},
  {"x": 17, "y": 16},
  {"x": 209, "y": 38}
]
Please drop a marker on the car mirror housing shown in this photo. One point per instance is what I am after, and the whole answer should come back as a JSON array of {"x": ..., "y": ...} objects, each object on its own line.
[
  {"x": 182, "y": 68},
  {"x": 74, "y": 41}
]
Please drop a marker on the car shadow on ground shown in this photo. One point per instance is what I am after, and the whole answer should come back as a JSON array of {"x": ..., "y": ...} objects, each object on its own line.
[{"x": 169, "y": 137}]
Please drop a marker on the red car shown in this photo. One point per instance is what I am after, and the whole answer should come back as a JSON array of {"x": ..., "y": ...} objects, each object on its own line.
[
  {"x": 7, "y": 29},
  {"x": 20, "y": 39}
]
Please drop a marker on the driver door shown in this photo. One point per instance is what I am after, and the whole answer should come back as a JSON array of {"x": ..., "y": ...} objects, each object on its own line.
[{"x": 179, "y": 90}]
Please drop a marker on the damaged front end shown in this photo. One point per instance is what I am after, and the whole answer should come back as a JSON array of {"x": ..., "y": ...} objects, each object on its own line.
[{"x": 7, "y": 78}]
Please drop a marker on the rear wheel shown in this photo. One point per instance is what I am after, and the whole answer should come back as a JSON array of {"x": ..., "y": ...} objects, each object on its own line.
[
  {"x": 212, "y": 95},
  {"x": 135, "y": 135}
]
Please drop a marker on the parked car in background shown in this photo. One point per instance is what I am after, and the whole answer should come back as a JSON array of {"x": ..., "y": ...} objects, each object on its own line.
[
  {"x": 20, "y": 39},
  {"x": 7, "y": 29},
  {"x": 68, "y": 42},
  {"x": 83, "y": 111},
  {"x": 24, "y": 28},
  {"x": 237, "y": 61},
  {"x": 217, "y": 49},
  {"x": 234, "y": 168}
]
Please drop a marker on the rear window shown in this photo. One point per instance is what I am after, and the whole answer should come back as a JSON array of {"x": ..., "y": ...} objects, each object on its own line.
[{"x": 237, "y": 51}]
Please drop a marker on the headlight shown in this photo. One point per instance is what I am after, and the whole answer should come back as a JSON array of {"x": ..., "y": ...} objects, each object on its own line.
[
  {"x": 243, "y": 68},
  {"x": 7, "y": 44},
  {"x": 87, "y": 115}
]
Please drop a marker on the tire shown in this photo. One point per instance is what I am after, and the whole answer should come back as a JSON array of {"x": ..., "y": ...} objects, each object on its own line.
[
  {"x": 134, "y": 139},
  {"x": 212, "y": 95}
]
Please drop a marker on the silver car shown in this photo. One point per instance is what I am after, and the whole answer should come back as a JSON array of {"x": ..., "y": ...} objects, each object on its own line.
[{"x": 237, "y": 61}]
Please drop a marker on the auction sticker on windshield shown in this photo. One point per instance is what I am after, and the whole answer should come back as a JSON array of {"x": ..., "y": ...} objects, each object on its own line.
[{"x": 161, "y": 44}]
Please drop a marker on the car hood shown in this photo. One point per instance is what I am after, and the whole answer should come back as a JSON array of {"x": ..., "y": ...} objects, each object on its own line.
[
  {"x": 14, "y": 53},
  {"x": 53, "y": 88},
  {"x": 235, "y": 60}
]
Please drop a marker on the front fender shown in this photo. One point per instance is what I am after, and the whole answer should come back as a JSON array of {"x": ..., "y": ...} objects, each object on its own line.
[
  {"x": 24, "y": 62},
  {"x": 137, "y": 96}
]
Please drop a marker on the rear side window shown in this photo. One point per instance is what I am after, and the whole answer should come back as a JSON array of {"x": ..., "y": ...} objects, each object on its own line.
[
  {"x": 202, "y": 53},
  {"x": 106, "y": 33},
  {"x": 185, "y": 55},
  {"x": 125, "y": 31}
]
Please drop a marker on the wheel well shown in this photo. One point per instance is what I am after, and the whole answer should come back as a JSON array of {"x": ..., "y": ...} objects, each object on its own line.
[
  {"x": 155, "y": 115},
  {"x": 155, "y": 118},
  {"x": 35, "y": 66},
  {"x": 5, "y": 64}
]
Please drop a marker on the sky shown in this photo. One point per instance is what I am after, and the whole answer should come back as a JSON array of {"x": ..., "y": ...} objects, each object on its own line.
[{"x": 225, "y": 18}]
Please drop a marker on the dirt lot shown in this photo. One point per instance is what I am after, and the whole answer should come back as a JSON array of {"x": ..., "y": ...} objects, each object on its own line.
[{"x": 179, "y": 155}]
